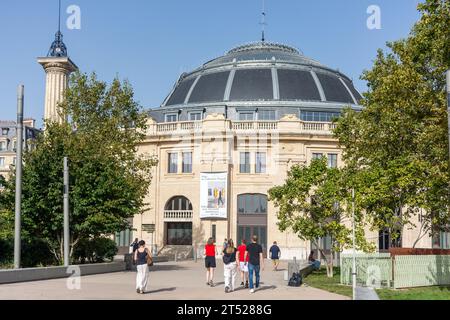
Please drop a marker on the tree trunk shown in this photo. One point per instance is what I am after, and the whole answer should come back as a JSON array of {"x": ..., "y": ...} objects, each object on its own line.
[
  {"x": 421, "y": 234},
  {"x": 330, "y": 265}
]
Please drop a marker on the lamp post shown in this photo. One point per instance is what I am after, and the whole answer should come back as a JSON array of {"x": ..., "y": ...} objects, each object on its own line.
[
  {"x": 18, "y": 206},
  {"x": 448, "y": 108},
  {"x": 354, "y": 249},
  {"x": 66, "y": 213}
]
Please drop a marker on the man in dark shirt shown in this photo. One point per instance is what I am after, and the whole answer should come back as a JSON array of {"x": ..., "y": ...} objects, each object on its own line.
[
  {"x": 256, "y": 261},
  {"x": 135, "y": 246},
  {"x": 275, "y": 253}
]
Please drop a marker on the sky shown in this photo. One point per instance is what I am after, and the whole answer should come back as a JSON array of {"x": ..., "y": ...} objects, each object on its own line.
[{"x": 151, "y": 42}]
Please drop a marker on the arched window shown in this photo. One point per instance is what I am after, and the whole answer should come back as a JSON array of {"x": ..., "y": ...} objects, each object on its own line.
[
  {"x": 252, "y": 204},
  {"x": 178, "y": 203}
]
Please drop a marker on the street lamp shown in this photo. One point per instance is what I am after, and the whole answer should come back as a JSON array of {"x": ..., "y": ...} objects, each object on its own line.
[
  {"x": 448, "y": 108},
  {"x": 354, "y": 249},
  {"x": 66, "y": 213},
  {"x": 18, "y": 206}
]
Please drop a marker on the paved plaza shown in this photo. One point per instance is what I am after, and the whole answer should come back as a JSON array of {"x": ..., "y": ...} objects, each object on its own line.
[{"x": 168, "y": 281}]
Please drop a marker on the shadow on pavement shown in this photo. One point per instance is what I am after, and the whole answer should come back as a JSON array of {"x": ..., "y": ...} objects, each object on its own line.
[
  {"x": 267, "y": 288},
  {"x": 166, "y": 267},
  {"x": 160, "y": 290}
]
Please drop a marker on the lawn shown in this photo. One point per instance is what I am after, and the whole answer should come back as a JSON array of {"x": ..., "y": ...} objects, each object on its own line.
[
  {"x": 319, "y": 280},
  {"x": 423, "y": 293}
]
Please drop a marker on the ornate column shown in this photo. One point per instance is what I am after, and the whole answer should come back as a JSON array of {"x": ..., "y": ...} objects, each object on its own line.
[{"x": 57, "y": 71}]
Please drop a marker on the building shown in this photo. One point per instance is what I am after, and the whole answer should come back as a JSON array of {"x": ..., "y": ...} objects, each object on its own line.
[
  {"x": 228, "y": 132},
  {"x": 8, "y": 142}
]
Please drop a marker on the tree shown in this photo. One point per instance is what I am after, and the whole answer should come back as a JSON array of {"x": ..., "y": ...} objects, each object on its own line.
[
  {"x": 108, "y": 178},
  {"x": 398, "y": 143},
  {"x": 314, "y": 202}
]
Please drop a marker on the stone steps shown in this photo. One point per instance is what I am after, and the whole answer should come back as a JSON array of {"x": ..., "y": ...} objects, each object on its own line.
[{"x": 181, "y": 252}]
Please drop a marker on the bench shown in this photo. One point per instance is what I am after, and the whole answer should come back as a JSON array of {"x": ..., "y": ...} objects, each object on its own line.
[{"x": 303, "y": 267}]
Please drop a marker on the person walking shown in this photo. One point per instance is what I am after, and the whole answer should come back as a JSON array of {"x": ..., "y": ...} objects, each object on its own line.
[
  {"x": 242, "y": 263},
  {"x": 225, "y": 244},
  {"x": 210, "y": 261},
  {"x": 140, "y": 256},
  {"x": 135, "y": 244},
  {"x": 275, "y": 254},
  {"x": 256, "y": 262},
  {"x": 229, "y": 266}
]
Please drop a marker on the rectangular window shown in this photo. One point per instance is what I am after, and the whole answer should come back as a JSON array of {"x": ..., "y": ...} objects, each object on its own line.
[
  {"x": 246, "y": 116},
  {"x": 171, "y": 117},
  {"x": 318, "y": 116},
  {"x": 2, "y": 145},
  {"x": 2, "y": 161},
  {"x": 244, "y": 163},
  {"x": 260, "y": 163},
  {"x": 266, "y": 115},
  {"x": 187, "y": 162},
  {"x": 195, "y": 116},
  {"x": 252, "y": 204},
  {"x": 445, "y": 240},
  {"x": 317, "y": 155},
  {"x": 332, "y": 160},
  {"x": 173, "y": 162},
  {"x": 383, "y": 240}
]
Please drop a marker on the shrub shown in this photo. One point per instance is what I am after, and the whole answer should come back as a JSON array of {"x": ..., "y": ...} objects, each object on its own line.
[
  {"x": 34, "y": 253},
  {"x": 6, "y": 251},
  {"x": 95, "y": 250}
]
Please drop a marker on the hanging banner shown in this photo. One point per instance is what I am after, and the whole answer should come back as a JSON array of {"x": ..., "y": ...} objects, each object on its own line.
[{"x": 213, "y": 195}]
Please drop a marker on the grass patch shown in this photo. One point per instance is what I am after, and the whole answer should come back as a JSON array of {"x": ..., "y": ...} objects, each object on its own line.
[
  {"x": 422, "y": 293},
  {"x": 318, "y": 279}
]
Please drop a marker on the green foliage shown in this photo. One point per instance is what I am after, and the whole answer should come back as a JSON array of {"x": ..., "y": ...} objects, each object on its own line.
[
  {"x": 33, "y": 252},
  {"x": 397, "y": 146},
  {"x": 315, "y": 201},
  {"x": 423, "y": 293},
  {"x": 108, "y": 178},
  {"x": 6, "y": 251},
  {"x": 95, "y": 250}
]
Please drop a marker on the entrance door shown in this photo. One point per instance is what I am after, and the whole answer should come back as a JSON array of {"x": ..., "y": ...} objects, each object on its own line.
[
  {"x": 179, "y": 233},
  {"x": 247, "y": 232}
]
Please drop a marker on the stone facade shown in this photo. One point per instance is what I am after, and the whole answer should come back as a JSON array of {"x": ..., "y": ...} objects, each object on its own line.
[
  {"x": 216, "y": 144},
  {"x": 8, "y": 140}
]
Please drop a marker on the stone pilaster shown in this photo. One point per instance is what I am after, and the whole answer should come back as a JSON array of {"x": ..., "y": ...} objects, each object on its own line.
[{"x": 58, "y": 70}]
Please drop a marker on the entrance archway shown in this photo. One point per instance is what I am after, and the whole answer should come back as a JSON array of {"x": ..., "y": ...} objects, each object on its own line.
[{"x": 178, "y": 221}]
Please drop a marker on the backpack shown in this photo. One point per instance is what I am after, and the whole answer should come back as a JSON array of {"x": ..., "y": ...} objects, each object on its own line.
[{"x": 296, "y": 280}]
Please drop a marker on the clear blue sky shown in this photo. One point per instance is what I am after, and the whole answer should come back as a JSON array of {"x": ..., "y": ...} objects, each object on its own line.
[{"x": 150, "y": 42}]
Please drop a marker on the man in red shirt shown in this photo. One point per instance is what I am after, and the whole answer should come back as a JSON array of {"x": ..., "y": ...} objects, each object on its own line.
[{"x": 243, "y": 266}]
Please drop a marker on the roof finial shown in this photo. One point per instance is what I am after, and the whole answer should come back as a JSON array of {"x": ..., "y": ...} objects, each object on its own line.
[
  {"x": 263, "y": 20},
  {"x": 59, "y": 17},
  {"x": 58, "y": 48}
]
